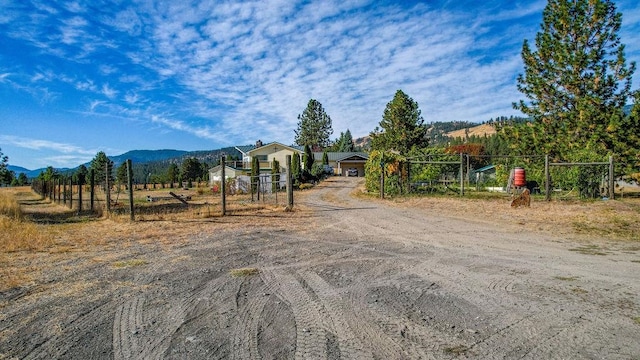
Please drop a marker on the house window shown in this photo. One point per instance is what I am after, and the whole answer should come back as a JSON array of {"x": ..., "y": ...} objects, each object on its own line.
[{"x": 261, "y": 157}]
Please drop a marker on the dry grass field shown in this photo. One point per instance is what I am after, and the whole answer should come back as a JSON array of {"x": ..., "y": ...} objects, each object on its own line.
[{"x": 37, "y": 234}]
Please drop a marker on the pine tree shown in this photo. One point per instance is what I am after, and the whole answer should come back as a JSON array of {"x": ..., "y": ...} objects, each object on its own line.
[
  {"x": 308, "y": 158},
  {"x": 295, "y": 167},
  {"x": 576, "y": 79},
  {"x": 401, "y": 128},
  {"x": 121, "y": 173},
  {"x": 275, "y": 175},
  {"x": 191, "y": 169},
  {"x": 80, "y": 175},
  {"x": 100, "y": 168},
  {"x": 628, "y": 140},
  {"x": 4, "y": 172},
  {"x": 314, "y": 126},
  {"x": 172, "y": 174}
]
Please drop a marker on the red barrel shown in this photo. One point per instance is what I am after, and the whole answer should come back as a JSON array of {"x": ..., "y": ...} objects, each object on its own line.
[{"x": 519, "y": 177}]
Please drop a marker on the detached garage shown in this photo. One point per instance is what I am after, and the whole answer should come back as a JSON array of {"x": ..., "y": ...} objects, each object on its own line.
[{"x": 353, "y": 160}]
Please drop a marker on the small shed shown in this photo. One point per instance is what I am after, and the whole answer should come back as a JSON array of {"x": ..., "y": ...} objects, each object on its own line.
[
  {"x": 484, "y": 174},
  {"x": 215, "y": 173}
]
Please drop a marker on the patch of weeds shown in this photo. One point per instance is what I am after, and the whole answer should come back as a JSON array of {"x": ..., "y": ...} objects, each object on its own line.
[
  {"x": 637, "y": 320},
  {"x": 566, "y": 278},
  {"x": 244, "y": 272},
  {"x": 589, "y": 250},
  {"x": 456, "y": 350},
  {"x": 579, "y": 290},
  {"x": 636, "y": 261},
  {"x": 129, "y": 263}
]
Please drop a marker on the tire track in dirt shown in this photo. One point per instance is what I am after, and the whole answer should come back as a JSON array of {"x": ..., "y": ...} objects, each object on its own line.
[
  {"x": 128, "y": 319},
  {"x": 57, "y": 346},
  {"x": 525, "y": 337},
  {"x": 245, "y": 332},
  {"x": 149, "y": 337},
  {"x": 310, "y": 325},
  {"x": 350, "y": 346}
]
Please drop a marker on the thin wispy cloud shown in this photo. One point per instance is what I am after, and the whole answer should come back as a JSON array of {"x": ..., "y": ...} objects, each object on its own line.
[
  {"x": 39, "y": 144},
  {"x": 208, "y": 74}
]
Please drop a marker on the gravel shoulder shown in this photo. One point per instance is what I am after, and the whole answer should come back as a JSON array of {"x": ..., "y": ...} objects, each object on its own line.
[{"x": 341, "y": 277}]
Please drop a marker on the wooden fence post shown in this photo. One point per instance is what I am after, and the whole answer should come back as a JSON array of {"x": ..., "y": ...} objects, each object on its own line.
[
  {"x": 70, "y": 193},
  {"x": 223, "y": 184},
  {"x": 130, "y": 183},
  {"x": 382, "y": 179},
  {"x": 461, "y": 174},
  {"x": 107, "y": 187},
  {"x": 547, "y": 179},
  {"x": 612, "y": 195},
  {"x": 289, "y": 184},
  {"x": 63, "y": 182},
  {"x": 80, "y": 184},
  {"x": 92, "y": 184}
]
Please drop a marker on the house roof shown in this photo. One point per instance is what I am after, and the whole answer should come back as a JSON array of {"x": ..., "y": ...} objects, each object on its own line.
[
  {"x": 227, "y": 167},
  {"x": 271, "y": 144},
  {"x": 244, "y": 149},
  {"x": 339, "y": 156},
  {"x": 363, "y": 156}
]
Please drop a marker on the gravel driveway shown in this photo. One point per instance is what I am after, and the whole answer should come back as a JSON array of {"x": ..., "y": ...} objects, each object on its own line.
[{"x": 352, "y": 279}]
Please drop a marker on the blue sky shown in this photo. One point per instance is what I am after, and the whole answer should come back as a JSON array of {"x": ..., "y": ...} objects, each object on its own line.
[{"x": 78, "y": 77}]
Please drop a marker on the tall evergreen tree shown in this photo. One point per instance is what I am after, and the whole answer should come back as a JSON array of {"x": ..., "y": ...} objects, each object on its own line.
[
  {"x": 345, "y": 142},
  {"x": 275, "y": 175},
  {"x": 80, "y": 175},
  {"x": 121, "y": 173},
  {"x": 401, "y": 128},
  {"x": 628, "y": 146},
  {"x": 172, "y": 174},
  {"x": 22, "y": 179},
  {"x": 295, "y": 167},
  {"x": 191, "y": 169},
  {"x": 100, "y": 168},
  {"x": 314, "y": 126},
  {"x": 576, "y": 79},
  {"x": 308, "y": 158},
  {"x": 255, "y": 174},
  {"x": 4, "y": 172}
]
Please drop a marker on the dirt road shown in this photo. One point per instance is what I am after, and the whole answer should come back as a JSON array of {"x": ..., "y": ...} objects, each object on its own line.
[{"x": 354, "y": 279}]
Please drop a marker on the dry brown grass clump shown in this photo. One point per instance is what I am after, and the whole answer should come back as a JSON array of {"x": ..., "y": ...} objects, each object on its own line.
[
  {"x": 9, "y": 206},
  {"x": 16, "y": 233},
  {"x": 244, "y": 272}
]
